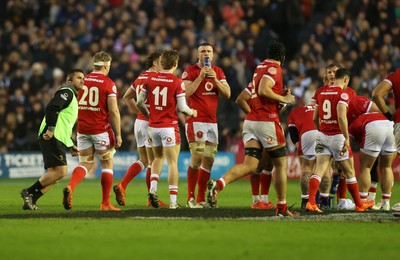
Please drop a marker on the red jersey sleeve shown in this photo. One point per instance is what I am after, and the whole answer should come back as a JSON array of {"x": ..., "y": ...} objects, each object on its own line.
[
  {"x": 220, "y": 74},
  {"x": 272, "y": 73},
  {"x": 180, "y": 90}
]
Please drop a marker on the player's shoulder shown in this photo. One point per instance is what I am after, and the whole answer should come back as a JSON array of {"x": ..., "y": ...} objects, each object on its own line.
[
  {"x": 190, "y": 72},
  {"x": 350, "y": 92},
  {"x": 146, "y": 74},
  {"x": 269, "y": 67},
  {"x": 394, "y": 76},
  {"x": 192, "y": 67}
]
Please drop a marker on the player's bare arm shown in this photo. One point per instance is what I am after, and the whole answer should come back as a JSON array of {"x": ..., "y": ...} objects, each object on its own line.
[
  {"x": 130, "y": 100},
  {"x": 115, "y": 119},
  {"x": 316, "y": 118},
  {"x": 379, "y": 94},
  {"x": 342, "y": 120},
  {"x": 191, "y": 86},
  {"x": 265, "y": 90},
  {"x": 223, "y": 87},
  {"x": 243, "y": 101},
  {"x": 141, "y": 105}
]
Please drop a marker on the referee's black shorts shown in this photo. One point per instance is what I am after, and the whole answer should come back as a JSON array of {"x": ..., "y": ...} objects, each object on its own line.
[{"x": 53, "y": 152}]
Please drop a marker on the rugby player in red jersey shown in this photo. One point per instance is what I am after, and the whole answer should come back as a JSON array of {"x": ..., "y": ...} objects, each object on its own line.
[
  {"x": 164, "y": 92},
  {"x": 204, "y": 83},
  {"x": 98, "y": 118},
  {"x": 330, "y": 117},
  {"x": 262, "y": 130},
  {"x": 141, "y": 132}
]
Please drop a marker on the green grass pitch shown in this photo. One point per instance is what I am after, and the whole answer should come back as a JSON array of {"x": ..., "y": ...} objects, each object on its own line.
[{"x": 233, "y": 231}]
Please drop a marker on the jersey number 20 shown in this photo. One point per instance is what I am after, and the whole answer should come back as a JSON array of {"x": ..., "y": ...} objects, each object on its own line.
[{"x": 90, "y": 95}]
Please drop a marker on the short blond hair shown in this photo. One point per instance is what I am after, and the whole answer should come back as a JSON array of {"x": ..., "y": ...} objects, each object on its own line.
[{"x": 100, "y": 58}]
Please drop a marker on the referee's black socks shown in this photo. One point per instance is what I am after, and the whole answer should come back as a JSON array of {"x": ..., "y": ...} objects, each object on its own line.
[{"x": 35, "y": 190}]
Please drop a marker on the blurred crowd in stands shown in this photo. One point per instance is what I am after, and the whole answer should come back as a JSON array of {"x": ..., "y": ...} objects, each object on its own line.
[{"x": 40, "y": 40}]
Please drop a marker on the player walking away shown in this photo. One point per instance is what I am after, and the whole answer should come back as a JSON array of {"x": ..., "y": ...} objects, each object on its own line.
[
  {"x": 262, "y": 130},
  {"x": 204, "y": 82},
  {"x": 54, "y": 136},
  {"x": 303, "y": 134},
  {"x": 263, "y": 175},
  {"x": 333, "y": 140},
  {"x": 144, "y": 149},
  {"x": 390, "y": 84},
  {"x": 98, "y": 118},
  {"x": 164, "y": 92}
]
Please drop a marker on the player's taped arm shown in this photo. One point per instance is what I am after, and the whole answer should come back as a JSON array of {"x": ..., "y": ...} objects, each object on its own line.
[
  {"x": 140, "y": 103},
  {"x": 183, "y": 107},
  {"x": 294, "y": 134}
]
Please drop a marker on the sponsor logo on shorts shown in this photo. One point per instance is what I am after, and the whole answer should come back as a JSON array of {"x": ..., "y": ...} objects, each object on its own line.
[
  {"x": 269, "y": 140},
  {"x": 169, "y": 139},
  {"x": 149, "y": 140},
  {"x": 103, "y": 143}
]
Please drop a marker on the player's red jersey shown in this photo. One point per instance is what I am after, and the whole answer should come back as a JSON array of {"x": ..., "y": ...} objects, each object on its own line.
[
  {"x": 327, "y": 102},
  {"x": 264, "y": 109},
  {"x": 348, "y": 90},
  {"x": 137, "y": 85},
  {"x": 163, "y": 89},
  {"x": 205, "y": 98},
  {"x": 394, "y": 80},
  {"x": 357, "y": 128},
  {"x": 302, "y": 119},
  {"x": 358, "y": 105},
  {"x": 93, "y": 114}
]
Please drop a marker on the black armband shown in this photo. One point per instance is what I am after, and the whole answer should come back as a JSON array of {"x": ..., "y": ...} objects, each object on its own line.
[
  {"x": 388, "y": 115},
  {"x": 294, "y": 134}
]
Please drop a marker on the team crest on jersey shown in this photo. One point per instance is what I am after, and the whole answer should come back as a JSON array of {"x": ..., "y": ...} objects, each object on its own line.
[
  {"x": 344, "y": 96},
  {"x": 272, "y": 71},
  {"x": 199, "y": 134},
  {"x": 184, "y": 75}
]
